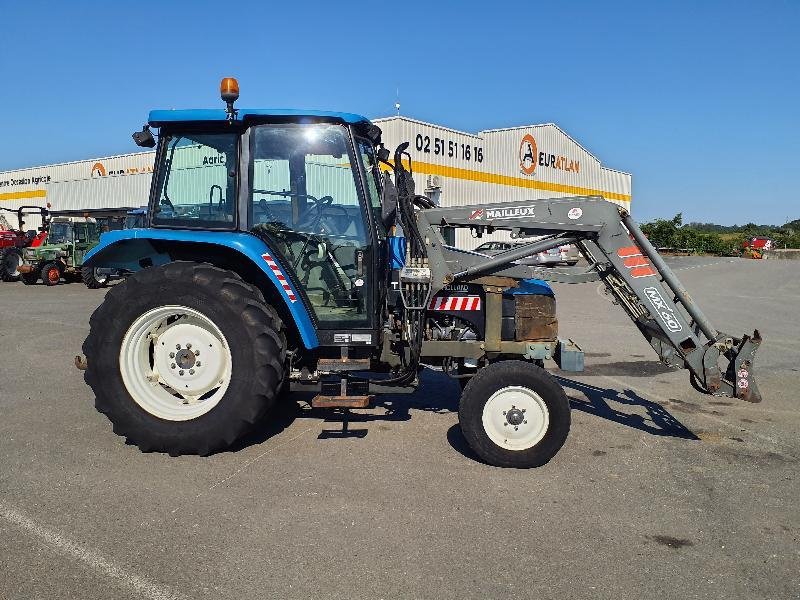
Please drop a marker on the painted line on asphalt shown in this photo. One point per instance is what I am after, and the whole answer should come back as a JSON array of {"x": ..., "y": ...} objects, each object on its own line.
[
  {"x": 139, "y": 585},
  {"x": 246, "y": 465}
]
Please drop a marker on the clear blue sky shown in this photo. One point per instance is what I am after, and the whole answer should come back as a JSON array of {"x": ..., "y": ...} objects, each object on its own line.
[{"x": 699, "y": 100}]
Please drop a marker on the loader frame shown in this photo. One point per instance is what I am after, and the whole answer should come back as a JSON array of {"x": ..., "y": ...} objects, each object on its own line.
[{"x": 618, "y": 254}]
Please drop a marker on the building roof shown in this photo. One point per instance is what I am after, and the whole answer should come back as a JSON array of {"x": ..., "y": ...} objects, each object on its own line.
[{"x": 160, "y": 117}]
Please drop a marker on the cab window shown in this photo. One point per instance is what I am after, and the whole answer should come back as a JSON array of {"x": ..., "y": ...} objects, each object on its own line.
[{"x": 198, "y": 181}]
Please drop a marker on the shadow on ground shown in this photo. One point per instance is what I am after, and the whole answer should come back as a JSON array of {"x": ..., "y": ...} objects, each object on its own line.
[
  {"x": 659, "y": 421},
  {"x": 440, "y": 394}
]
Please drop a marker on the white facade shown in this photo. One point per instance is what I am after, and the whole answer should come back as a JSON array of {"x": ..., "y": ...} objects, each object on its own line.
[
  {"x": 453, "y": 167},
  {"x": 501, "y": 165},
  {"x": 109, "y": 182}
]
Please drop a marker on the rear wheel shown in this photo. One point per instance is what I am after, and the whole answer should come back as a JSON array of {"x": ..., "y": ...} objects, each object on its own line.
[
  {"x": 93, "y": 279},
  {"x": 51, "y": 274},
  {"x": 184, "y": 358},
  {"x": 10, "y": 260},
  {"x": 514, "y": 414}
]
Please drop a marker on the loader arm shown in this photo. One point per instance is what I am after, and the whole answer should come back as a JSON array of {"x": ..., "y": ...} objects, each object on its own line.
[{"x": 619, "y": 254}]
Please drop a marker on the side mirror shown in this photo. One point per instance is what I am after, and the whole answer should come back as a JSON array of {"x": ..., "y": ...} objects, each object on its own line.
[
  {"x": 388, "y": 202},
  {"x": 144, "y": 138},
  {"x": 383, "y": 154},
  {"x": 374, "y": 134}
]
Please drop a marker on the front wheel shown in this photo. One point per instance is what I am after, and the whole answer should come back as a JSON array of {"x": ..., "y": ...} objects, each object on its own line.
[
  {"x": 184, "y": 358},
  {"x": 93, "y": 278},
  {"x": 514, "y": 414},
  {"x": 31, "y": 278},
  {"x": 51, "y": 274}
]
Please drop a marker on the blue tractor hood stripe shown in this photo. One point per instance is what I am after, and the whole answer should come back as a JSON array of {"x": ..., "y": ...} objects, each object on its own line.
[{"x": 248, "y": 245}]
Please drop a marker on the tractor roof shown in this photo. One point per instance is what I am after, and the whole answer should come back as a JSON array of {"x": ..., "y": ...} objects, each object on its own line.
[{"x": 162, "y": 117}]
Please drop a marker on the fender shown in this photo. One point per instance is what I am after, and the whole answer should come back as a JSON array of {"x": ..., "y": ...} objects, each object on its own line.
[{"x": 124, "y": 249}]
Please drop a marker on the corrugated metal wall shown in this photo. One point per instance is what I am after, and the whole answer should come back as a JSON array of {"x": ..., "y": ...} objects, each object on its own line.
[
  {"x": 108, "y": 182},
  {"x": 463, "y": 168},
  {"x": 533, "y": 162}
]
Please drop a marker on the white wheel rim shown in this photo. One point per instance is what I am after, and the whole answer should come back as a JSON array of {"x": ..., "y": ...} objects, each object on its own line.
[
  {"x": 175, "y": 363},
  {"x": 515, "y": 418},
  {"x": 100, "y": 278}
]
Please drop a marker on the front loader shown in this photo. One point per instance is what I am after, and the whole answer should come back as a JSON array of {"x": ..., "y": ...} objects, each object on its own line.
[{"x": 272, "y": 260}]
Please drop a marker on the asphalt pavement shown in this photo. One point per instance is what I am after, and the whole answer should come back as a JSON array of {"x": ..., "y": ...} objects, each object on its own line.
[{"x": 659, "y": 492}]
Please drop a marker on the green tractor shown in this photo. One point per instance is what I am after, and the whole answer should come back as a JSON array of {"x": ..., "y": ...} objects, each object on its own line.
[{"x": 62, "y": 256}]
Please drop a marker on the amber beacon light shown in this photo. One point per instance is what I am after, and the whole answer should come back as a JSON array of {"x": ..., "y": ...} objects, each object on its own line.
[{"x": 229, "y": 92}]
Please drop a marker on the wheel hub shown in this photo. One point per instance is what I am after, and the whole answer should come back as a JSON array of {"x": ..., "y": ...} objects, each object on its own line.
[
  {"x": 176, "y": 357},
  {"x": 175, "y": 362},
  {"x": 185, "y": 359},
  {"x": 515, "y": 418}
]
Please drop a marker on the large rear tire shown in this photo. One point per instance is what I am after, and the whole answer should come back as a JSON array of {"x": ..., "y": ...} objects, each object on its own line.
[
  {"x": 514, "y": 414},
  {"x": 10, "y": 260},
  {"x": 184, "y": 358}
]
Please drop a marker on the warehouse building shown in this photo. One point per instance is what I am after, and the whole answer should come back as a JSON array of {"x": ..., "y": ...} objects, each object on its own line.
[{"x": 452, "y": 167}]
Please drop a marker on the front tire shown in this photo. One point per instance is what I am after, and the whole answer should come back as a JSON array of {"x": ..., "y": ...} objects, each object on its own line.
[
  {"x": 10, "y": 260},
  {"x": 514, "y": 414},
  {"x": 184, "y": 358},
  {"x": 92, "y": 279},
  {"x": 51, "y": 274},
  {"x": 31, "y": 278}
]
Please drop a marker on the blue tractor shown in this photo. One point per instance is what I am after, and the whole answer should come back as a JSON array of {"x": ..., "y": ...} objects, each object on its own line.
[{"x": 271, "y": 260}]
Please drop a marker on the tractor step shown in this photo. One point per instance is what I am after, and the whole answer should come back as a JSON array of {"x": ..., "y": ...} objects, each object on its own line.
[
  {"x": 321, "y": 401},
  {"x": 343, "y": 364}
]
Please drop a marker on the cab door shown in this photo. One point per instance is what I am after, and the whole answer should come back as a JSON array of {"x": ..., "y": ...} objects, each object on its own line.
[{"x": 307, "y": 203}]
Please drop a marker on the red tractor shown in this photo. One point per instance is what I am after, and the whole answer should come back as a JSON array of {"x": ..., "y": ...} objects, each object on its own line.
[{"x": 14, "y": 241}]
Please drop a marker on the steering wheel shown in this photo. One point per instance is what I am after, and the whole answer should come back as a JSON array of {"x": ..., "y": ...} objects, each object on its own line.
[{"x": 312, "y": 218}]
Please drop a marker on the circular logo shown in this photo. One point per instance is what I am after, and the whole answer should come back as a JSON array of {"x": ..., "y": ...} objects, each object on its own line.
[
  {"x": 527, "y": 154},
  {"x": 575, "y": 213}
]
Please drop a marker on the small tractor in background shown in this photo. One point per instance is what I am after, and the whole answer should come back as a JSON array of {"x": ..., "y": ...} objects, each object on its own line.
[
  {"x": 14, "y": 241},
  {"x": 271, "y": 261},
  {"x": 68, "y": 241},
  {"x": 755, "y": 247}
]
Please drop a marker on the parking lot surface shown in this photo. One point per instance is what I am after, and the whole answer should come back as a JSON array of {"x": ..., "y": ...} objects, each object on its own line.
[{"x": 659, "y": 492}]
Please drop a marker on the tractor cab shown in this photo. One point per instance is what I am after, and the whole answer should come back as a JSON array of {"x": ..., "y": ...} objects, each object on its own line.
[
  {"x": 72, "y": 236},
  {"x": 307, "y": 185}
]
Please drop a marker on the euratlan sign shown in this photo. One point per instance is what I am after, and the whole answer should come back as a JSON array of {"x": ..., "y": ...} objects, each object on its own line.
[{"x": 530, "y": 157}]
